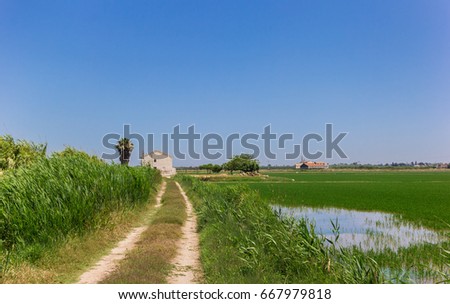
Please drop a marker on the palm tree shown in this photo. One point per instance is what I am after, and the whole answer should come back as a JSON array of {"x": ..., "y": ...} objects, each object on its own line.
[{"x": 125, "y": 147}]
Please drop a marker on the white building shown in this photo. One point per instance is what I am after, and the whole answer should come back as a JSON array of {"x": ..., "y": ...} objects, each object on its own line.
[{"x": 160, "y": 161}]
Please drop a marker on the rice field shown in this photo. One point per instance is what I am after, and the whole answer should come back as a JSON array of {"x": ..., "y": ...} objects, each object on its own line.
[
  {"x": 413, "y": 204},
  {"x": 243, "y": 241},
  {"x": 419, "y": 197}
]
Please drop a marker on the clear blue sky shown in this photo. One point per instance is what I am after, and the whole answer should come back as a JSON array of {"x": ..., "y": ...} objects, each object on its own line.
[{"x": 72, "y": 71}]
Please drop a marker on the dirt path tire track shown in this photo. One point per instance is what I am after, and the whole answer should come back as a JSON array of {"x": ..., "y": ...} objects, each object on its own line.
[
  {"x": 108, "y": 263},
  {"x": 187, "y": 267}
]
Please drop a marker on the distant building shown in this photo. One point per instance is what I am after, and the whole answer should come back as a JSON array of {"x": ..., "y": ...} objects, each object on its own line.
[
  {"x": 442, "y": 166},
  {"x": 161, "y": 161},
  {"x": 311, "y": 165}
]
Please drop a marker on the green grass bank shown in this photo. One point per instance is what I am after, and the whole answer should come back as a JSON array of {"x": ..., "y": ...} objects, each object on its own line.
[{"x": 70, "y": 193}]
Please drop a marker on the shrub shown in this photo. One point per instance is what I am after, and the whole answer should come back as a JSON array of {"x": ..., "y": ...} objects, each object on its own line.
[{"x": 14, "y": 154}]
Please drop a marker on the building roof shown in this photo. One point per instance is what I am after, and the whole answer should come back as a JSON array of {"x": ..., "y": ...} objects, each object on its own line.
[
  {"x": 158, "y": 155},
  {"x": 312, "y": 164}
]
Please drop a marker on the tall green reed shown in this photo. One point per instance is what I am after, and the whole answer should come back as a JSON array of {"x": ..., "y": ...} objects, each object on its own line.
[{"x": 68, "y": 193}]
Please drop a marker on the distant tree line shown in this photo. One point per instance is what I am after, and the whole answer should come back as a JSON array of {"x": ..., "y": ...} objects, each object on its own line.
[
  {"x": 392, "y": 165},
  {"x": 239, "y": 163},
  {"x": 246, "y": 163},
  {"x": 211, "y": 168}
]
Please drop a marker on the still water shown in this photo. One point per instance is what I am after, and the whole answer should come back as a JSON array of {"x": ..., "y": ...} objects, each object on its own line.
[{"x": 367, "y": 230}]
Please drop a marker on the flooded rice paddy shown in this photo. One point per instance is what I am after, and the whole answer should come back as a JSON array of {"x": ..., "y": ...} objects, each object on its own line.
[{"x": 366, "y": 230}]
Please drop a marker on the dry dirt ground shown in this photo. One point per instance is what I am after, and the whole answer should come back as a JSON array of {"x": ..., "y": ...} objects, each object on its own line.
[
  {"x": 109, "y": 262},
  {"x": 187, "y": 267}
]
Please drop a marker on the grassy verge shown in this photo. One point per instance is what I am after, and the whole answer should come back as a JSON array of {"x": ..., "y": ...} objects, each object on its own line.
[
  {"x": 53, "y": 204},
  {"x": 243, "y": 241},
  {"x": 149, "y": 262},
  {"x": 66, "y": 262}
]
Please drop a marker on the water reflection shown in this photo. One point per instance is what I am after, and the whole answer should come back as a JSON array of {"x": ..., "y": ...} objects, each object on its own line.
[{"x": 367, "y": 230}]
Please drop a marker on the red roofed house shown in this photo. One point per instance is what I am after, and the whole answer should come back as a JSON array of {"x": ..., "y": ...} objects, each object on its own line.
[{"x": 311, "y": 165}]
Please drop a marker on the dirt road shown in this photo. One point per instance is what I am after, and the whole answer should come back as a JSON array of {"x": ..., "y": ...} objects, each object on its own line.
[
  {"x": 109, "y": 262},
  {"x": 187, "y": 267}
]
